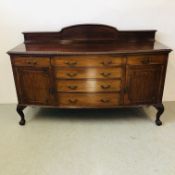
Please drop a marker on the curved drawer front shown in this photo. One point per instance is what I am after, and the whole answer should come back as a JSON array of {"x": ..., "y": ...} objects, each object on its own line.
[
  {"x": 88, "y": 86},
  {"x": 88, "y": 100},
  {"x": 78, "y": 73},
  {"x": 146, "y": 59},
  {"x": 87, "y": 61}
]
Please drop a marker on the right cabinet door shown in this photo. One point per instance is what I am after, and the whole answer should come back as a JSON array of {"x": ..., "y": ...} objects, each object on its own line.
[{"x": 143, "y": 84}]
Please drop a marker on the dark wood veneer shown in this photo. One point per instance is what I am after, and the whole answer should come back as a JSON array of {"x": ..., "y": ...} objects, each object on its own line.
[{"x": 90, "y": 66}]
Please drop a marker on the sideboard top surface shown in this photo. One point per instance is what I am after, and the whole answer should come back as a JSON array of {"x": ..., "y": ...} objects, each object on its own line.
[{"x": 89, "y": 39}]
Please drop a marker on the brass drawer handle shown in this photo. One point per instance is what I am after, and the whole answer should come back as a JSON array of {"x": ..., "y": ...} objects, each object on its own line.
[
  {"x": 29, "y": 62},
  {"x": 73, "y": 101},
  {"x": 72, "y": 87},
  {"x": 105, "y": 100},
  {"x": 105, "y": 74},
  {"x": 71, "y": 63},
  {"x": 106, "y": 63},
  {"x": 105, "y": 86},
  {"x": 32, "y": 63},
  {"x": 145, "y": 61},
  {"x": 71, "y": 74}
]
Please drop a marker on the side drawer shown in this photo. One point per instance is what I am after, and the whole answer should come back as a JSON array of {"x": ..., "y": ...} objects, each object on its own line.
[
  {"x": 88, "y": 100},
  {"x": 32, "y": 61},
  {"x": 88, "y": 86},
  {"x": 146, "y": 59},
  {"x": 87, "y": 61},
  {"x": 81, "y": 73}
]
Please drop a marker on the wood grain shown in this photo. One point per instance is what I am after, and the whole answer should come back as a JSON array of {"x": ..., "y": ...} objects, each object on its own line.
[
  {"x": 146, "y": 59},
  {"x": 82, "y": 73},
  {"x": 143, "y": 84},
  {"x": 34, "y": 85},
  {"x": 77, "y": 99},
  {"x": 87, "y": 61},
  {"x": 88, "y": 85},
  {"x": 32, "y": 61}
]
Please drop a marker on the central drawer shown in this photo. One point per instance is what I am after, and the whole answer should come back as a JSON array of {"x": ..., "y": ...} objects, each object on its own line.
[
  {"x": 87, "y": 61},
  {"x": 88, "y": 85},
  {"x": 88, "y": 100},
  {"x": 81, "y": 73}
]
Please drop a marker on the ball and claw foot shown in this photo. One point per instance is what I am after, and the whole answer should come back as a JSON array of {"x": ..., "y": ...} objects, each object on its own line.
[
  {"x": 158, "y": 122},
  {"x": 160, "y": 110},
  {"x": 19, "y": 110},
  {"x": 22, "y": 122}
]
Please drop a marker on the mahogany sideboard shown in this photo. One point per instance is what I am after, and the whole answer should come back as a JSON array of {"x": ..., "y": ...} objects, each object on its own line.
[{"x": 90, "y": 66}]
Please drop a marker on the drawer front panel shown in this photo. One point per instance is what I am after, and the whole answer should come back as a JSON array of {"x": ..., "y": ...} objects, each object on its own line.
[
  {"x": 88, "y": 100},
  {"x": 87, "y": 61},
  {"x": 88, "y": 86},
  {"x": 146, "y": 59},
  {"x": 32, "y": 61},
  {"x": 78, "y": 73}
]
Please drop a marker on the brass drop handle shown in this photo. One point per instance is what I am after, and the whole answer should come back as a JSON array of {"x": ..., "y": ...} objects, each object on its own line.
[
  {"x": 71, "y": 74},
  {"x": 34, "y": 63},
  {"x": 105, "y": 74},
  {"x": 105, "y": 86},
  {"x": 29, "y": 62},
  {"x": 145, "y": 61},
  {"x": 106, "y": 63},
  {"x": 105, "y": 100},
  {"x": 71, "y": 63},
  {"x": 72, "y": 87},
  {"x": 73, "y": 101}
]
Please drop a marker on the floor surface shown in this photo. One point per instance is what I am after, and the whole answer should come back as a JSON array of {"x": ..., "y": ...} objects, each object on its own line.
[{"x": 116, "y": 142}]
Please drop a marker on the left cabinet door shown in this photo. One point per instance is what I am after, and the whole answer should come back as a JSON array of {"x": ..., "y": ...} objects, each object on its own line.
[{"x": 34, "y": 85}]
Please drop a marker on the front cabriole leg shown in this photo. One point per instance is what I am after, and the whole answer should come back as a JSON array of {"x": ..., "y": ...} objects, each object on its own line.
[
  {"x": 19, "y": 110},
  {"x": 160, "y": 110}
]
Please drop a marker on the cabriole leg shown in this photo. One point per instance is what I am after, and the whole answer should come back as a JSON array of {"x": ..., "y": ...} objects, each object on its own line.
[
  {"x": 19, "y": 110},
  {"x": 160, "y": 110}
]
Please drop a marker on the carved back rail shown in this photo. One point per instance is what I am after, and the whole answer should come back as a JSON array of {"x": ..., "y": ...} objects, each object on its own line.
[{"x": 89, "y": 33}]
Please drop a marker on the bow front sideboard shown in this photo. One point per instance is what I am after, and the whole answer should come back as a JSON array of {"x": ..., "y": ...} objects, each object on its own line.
[{"x": 90, "y": 66}]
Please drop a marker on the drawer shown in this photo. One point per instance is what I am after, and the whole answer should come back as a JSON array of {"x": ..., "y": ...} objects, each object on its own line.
[
  {"x": 146, "y": 59},
  {"x": 31, "y": 61},
  {"x": 88, "y": 100},
  {"x": 88, "y": 86},
  {"x": 80, "y": 73},
  {"x": 87, "y": 61}
]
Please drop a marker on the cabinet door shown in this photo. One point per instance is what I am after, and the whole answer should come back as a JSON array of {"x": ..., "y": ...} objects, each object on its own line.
[
  {"x": 34, "y": 85},
  {"x": 143, "y": 84}
]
